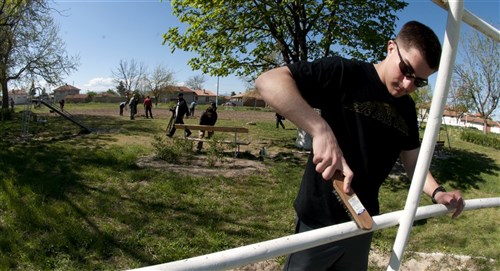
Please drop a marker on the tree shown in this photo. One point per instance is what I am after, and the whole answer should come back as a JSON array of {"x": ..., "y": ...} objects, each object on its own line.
[
  {"x": 30, "y": 48},
  {"x": 112, "y": 92},
  {"x": 130, "y": 74},
  {"x": 458, "y": 100},
  {"x": 90, "y": 96},
  {"x": 422, "y": 98},
  {"x": 122, "y": 91},
  {"x": 239, "y": 37},
  {"x": 159, "y": 80},
  {"x": 477, "y": 79},
  {"x": 196, "y": 81}
]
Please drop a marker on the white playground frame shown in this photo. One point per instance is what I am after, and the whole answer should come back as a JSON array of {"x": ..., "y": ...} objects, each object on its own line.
[{"x": 237, "y": 257}]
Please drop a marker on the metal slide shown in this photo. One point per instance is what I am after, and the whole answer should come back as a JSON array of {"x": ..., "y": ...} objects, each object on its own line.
[{"x": 65, "y": 114}]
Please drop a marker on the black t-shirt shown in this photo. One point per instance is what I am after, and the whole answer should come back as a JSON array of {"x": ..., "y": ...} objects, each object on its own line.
[{"x": 371, "y": 126}]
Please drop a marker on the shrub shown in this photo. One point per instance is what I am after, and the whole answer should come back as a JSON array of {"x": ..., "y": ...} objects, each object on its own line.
[
  {"x": 171, "y": 150},
  {"x": 215, "y": 151},
  {"x": 487, "y": 140}
]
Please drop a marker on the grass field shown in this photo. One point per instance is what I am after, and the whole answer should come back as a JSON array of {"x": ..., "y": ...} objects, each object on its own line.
[{"x": 84, "y": 202}]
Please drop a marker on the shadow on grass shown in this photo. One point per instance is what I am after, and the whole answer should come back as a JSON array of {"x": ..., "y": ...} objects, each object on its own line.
[
  {"x": 461, "y": 169},
  {"x": 74, "y": 218},
  {"x": 38, "y": 181}
]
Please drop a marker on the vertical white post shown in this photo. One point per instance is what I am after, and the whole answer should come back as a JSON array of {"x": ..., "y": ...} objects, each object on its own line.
[
  {"x": 217, "y": 95},
  {"x": 446, "y": 67}
]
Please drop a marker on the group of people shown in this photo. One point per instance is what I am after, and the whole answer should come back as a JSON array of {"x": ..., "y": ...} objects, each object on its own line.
[
  {"x": 133, "y": 102},
  {"x": 208, "y": 117}
]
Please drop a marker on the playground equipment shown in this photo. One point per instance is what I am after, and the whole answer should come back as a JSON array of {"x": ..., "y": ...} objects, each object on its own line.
[
  {"x": 27, "y": 114},
  {"x": 66, "y": 115}
]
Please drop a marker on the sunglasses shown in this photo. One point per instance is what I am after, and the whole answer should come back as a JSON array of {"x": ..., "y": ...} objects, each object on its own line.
[{"x": 408, "y": 71}]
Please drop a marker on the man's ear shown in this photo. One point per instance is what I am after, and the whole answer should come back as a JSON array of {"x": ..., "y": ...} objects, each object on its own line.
[{"x": 391, "y": 47}]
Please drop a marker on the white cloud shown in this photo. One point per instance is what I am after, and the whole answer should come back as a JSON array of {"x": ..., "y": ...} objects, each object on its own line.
[{"x": 99, "y": 84}]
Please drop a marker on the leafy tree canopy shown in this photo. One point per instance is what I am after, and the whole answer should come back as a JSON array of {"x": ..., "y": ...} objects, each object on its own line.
[{"x": 247, "y": 37}]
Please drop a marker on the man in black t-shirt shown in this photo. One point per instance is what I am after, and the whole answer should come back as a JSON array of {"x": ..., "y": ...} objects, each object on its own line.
[{"x": 369, "y": 123}]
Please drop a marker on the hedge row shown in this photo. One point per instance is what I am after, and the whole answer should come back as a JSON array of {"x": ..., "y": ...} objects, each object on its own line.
[{"x": 487, "y": 140}]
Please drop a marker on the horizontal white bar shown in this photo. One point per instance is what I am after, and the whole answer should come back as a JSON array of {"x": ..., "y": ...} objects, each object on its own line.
[
  {"x": 236, "y": 257},
  {"x": 474, "y": 21}
]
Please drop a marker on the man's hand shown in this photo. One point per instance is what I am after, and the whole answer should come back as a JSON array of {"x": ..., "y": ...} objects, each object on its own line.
[
  {"x": 328, "y": 158},
  {"x": 452, "y": 200}
]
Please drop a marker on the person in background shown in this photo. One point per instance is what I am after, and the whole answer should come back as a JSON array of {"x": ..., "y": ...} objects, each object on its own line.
[
  {"x": 368, "y": 124},
  {"x": 191, "y": 108},
  {"x": 279, "y": 121},
  {"x": 209, "y": 117},
  {"x": 181, "y": 109},
  {"x": 133, "y": 107},
  {"x": 122, "y": 106},
  {"x": 12, "y": 103},
  {"x": 148, "y": 105},
  {"x": 61, "y": 104}
]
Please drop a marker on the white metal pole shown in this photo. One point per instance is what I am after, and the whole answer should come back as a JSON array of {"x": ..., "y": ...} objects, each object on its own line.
[
  {"x": 446, "y": 66},
  {"x": 217, "y": 95},
  {"x": 236, "y": 257},
  {"x": 474, "y": 21}
]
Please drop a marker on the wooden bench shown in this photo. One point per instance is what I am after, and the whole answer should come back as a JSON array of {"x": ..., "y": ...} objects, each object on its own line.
[{"x": 237, "y": 143}]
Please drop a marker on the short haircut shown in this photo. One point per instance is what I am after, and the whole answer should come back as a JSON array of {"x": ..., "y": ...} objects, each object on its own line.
[{"x": 416, "y": 35}]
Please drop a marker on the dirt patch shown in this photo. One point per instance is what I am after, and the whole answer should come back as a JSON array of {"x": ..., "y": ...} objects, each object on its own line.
[
  {"x": 161, "y": 113},
  {"x": 198, "y": 166},
  {"x": 415, "y": 262}
]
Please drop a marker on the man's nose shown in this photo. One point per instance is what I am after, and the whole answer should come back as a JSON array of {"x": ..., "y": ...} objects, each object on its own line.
[{"x": 407, "y": 84}]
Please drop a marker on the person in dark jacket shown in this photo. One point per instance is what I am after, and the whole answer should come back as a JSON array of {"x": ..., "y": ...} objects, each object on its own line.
[
  {"x": 122, "y": 106},
  {"x": 181, "y": 110},
  {"x": 209, "y": 117},
  {"x": 61, "y": 104},
  {"x": 279, "y": 121}
]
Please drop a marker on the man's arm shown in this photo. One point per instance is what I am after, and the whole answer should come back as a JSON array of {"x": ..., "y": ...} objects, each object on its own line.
[
  {"x": 278, "y": 88},
  {"x": 452, "y": 199}
]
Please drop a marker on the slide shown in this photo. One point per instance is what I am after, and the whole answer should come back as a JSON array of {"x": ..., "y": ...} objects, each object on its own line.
[{"x": 66, "y": 115}]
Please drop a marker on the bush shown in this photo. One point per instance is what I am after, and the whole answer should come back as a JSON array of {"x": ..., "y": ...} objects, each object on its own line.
[
  {"x": 171, "y": 150},
  {"x": 487, "y": 140},
  {"x": 215, "y": 151}
]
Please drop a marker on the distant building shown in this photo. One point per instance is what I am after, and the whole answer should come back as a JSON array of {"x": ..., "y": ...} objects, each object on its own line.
[
  {"x": 249, "y": 98},
  {"x": 466, "y": 120},
  {"x": 200, "y": 96},
  {"x": 20, "y": 96},
  {"x": 203, "y": 96},
  {"x": 61, "y": 92}
]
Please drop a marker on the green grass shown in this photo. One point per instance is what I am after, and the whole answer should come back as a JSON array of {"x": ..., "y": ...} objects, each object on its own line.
[{"x": 81, "y": 202}]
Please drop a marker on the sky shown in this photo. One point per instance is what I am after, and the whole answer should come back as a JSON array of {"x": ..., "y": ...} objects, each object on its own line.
[{"x": 104, "y": 32}]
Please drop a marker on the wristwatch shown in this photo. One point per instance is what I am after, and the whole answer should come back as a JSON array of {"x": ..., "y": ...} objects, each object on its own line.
[{"x": 438, "y": 189}]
